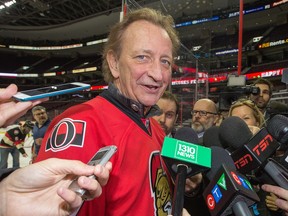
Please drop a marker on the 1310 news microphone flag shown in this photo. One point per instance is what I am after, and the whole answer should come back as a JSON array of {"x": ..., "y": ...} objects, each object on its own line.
[{"x": 196, "y": 157}]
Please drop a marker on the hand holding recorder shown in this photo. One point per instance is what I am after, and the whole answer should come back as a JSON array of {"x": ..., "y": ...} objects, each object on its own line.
[{"x": 41, "y": 188}]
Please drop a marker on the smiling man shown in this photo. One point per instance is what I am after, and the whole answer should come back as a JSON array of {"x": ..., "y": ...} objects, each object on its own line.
[{"x": 137, "y": 64}]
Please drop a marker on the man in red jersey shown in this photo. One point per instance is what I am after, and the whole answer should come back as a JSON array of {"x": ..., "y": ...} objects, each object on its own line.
[
  {"x": 137, "y": 64},
  {"x": 53, "y": 175}
]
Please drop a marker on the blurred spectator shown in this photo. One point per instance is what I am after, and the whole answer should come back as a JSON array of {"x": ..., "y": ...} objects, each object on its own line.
[
  {"x": 204, "y": 116},
  {"x": 39, "y": 129},
  {"x": 13, "y": 143},
  {"x": 169, "y": 107},
  {"x": 263, "y": 98},
  {"x": 247, "y": 110}
]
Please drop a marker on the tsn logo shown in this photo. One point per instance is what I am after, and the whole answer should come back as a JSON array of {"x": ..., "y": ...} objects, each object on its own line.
[
  {"x": 213, "y": 198},
  {"x": 243, "y": 161},
  {"x": 257, "y": 149},
  {"x": 263, "y": 144}
]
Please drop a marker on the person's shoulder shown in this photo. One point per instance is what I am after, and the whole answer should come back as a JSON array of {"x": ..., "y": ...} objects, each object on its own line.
[
  {"x": 276, "y": 107},
  {"x": 13, "y": 128},
  {"x": 279, "y": 106}
]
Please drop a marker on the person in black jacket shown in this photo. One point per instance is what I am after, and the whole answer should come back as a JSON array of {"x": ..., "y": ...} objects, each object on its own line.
[{"x": 13, "y": 142}]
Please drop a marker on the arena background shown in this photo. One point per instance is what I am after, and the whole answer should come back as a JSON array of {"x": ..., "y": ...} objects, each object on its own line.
[{"x": 47, "y": 42}]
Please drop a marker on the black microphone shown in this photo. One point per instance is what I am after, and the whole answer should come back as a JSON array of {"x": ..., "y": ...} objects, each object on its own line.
[
  {"x": 228, "y": 191},
  {"x": 234, "y": 132},
  {"x": 254, "y": 153},
  {"x": 211, "y": 137},
  {"x": 184, "y": 158},
  {"x": 278, "y": 128}
]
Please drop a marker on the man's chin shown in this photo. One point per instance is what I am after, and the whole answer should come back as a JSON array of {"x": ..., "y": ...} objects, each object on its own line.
[
  {"x": 260, "y": 105},
  {"x": 198, "y": 129}
]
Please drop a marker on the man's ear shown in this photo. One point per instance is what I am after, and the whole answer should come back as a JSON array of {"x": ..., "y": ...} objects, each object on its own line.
[
  {"x": 113, "y": 63},
  {"x": 217, "y": 119}
]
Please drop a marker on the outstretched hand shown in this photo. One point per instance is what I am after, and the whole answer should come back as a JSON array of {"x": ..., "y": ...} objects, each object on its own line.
[
  {"x": 42, "y": 188},
  {"x": 11, "y": 110}
]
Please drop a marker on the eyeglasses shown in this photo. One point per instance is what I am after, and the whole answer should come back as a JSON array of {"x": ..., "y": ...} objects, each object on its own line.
[
  {"x": 41, "y": 113},
  {"x": 201, "y": 112}
]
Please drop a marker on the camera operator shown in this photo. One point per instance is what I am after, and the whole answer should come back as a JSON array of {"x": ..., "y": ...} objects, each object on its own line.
[{"x": 263, "y": 98}]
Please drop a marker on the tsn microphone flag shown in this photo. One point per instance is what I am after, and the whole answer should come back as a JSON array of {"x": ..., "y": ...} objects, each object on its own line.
[
  {"x": 255, "y": 153},
  {"x": 197, "y": 158},
  {"x": 227, "y": 188}
]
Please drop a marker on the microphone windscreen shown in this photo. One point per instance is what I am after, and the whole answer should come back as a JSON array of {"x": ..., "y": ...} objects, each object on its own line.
[
  {"x": 277, "y": 126},
  {"x": 219, "y": 156},
  {"x": 187, "y": 134},
  {"x": 211, "y": 137},
  {"x": 234, "y": 132}
]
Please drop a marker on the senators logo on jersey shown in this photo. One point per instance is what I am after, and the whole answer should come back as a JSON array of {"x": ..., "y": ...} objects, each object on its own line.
[
  {"x": 66, "y": 133},
  {"x": 159, "y": 187}
]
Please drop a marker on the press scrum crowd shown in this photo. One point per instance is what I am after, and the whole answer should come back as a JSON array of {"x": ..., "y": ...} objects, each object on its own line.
[{"x": 135, "y": 113}]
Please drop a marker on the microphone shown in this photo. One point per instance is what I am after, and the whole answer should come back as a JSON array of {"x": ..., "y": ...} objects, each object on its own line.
[
  {"x": 254, "y": 153},
  {"x": 211, "y": 137},
  {"x": 184, "y": 158},
  {"x": 278, "y": 128},
  {"x": 228, "y": 191},
  {"x": 234, "y": 132}
]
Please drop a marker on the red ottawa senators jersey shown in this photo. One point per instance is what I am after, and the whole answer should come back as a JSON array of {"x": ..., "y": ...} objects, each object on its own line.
[{"x": 138, "y": 183}]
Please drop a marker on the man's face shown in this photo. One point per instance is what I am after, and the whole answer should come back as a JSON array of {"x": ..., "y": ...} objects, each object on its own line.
[
  {"x": 202, "y": 123},
  {"x": 143, "y": 70},
  {"x": 263, "y": 98},
  {"x": 168, "y": 117},
  {"x": 40, "y": 116},
  {"x": 26, "y": 129}
]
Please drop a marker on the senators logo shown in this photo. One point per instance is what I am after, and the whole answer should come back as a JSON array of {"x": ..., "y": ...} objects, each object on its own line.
[
  {"x": 66, "y": 133},
  {"x": 160, "y": 187}
]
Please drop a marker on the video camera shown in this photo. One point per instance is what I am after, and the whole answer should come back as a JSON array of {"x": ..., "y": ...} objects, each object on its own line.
[{"x": 236, "y": 88}]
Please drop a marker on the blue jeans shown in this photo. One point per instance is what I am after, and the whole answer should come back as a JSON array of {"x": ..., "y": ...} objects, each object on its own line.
[{"x": 4, "y": 152}]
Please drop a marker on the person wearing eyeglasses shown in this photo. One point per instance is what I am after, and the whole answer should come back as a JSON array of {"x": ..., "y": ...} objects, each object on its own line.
[
  {"x": 42, "y": 122},
  {"x": 204, "y": 116}
]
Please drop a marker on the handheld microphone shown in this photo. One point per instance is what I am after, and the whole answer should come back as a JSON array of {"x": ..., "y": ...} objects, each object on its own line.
[
  {"x": 278, "y": 128},
  {"x": 234, "y": 132},
  {"x": 184, "y": 158},
  {"x": 211, "y": 137},
  {"x": 228, "y": 191},
  {"x": 184, "y": 150}
]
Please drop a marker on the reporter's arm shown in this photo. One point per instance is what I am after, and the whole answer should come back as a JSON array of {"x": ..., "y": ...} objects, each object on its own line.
[{"x": 42, "y": 188}]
